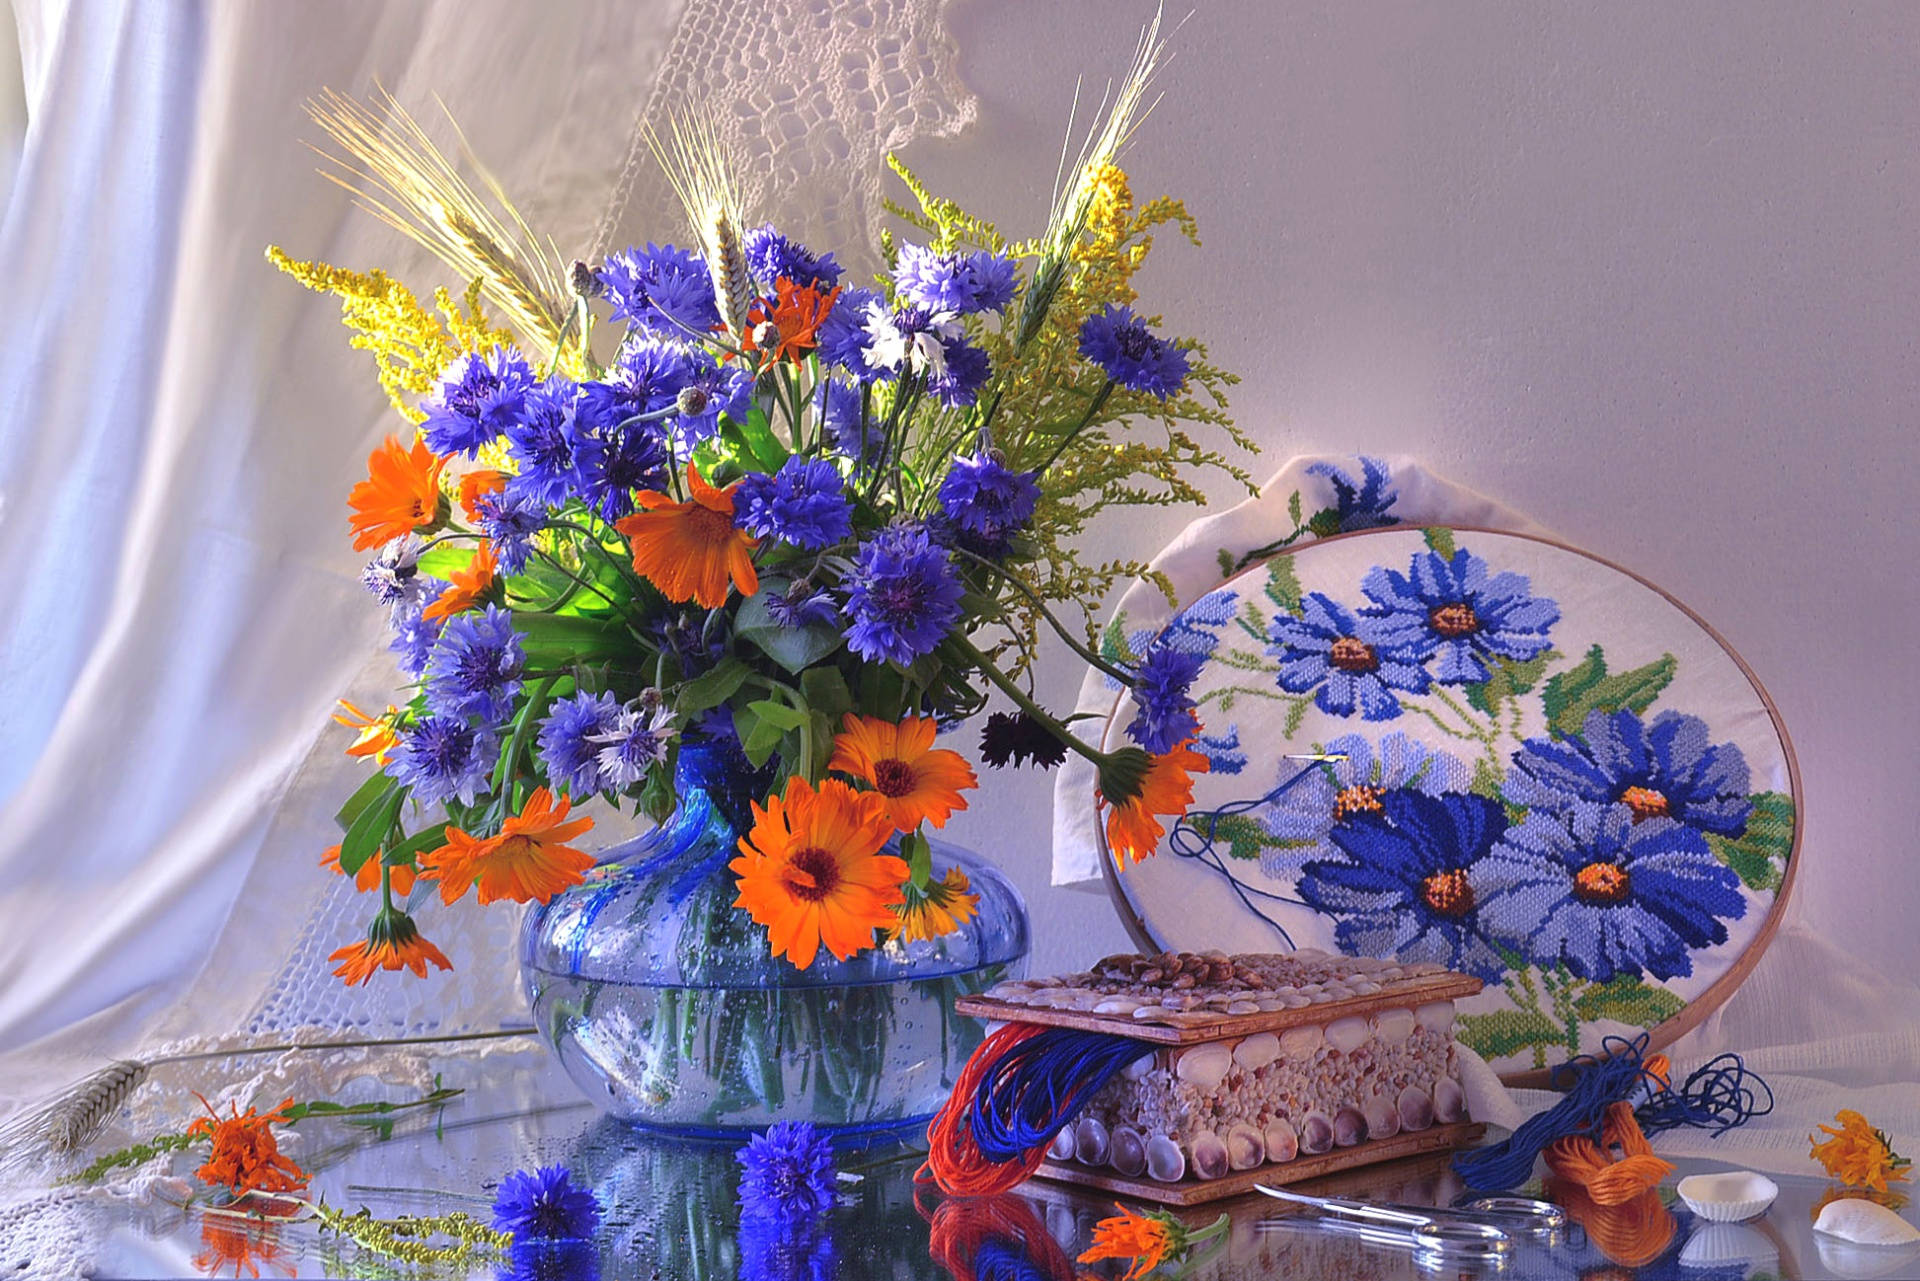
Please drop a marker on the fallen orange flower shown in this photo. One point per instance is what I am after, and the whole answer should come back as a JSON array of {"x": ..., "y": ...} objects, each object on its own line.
[{"x": 246, "y": 1158}]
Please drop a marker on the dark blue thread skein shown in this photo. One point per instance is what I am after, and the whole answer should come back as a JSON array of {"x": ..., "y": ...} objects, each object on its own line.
[{"x": 1038, "y": 1086}]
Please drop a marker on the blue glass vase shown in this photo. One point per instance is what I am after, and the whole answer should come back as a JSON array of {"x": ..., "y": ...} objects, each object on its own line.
[{"x": 665, "y": 1005}]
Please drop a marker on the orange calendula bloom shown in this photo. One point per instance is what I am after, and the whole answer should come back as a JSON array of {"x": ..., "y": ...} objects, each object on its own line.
[
  {"x": 941, "y": 908},
  {"x": 480, "y": 481},
  {"x": 466, "y": 587},
  {"x": 246, "y": 1157},
  {"x": 811, "y": 870},
  {"x": 400, "y": 494},
  {"x": 919, "y": 782},
  {"x": 528, "y": 861},
  {"x": 393, "y": 942},
  {"x": 796, "y": 313},
  {"x": 367, "y": 879},
  {"x": 1133, "y": 830},
  {"x": 1857, "y": 1154},
  {"x": 691, "y": 550},
  {"x": 1145, "y": 1239},
  {"x": 377, "y": 734}
]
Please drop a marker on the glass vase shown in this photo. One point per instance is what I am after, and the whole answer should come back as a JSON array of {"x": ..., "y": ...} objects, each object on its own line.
[{"x": 665, "y": 1005}]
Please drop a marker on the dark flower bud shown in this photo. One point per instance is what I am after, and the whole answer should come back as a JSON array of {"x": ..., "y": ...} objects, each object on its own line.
[
  {"x": 585, "y": 281},
  {"x": 692, "y": 401},
  {"x": 766, "y": 335}
]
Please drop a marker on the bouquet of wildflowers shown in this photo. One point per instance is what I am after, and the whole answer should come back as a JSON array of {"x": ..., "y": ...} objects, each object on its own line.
[{"x": 724, "y": 492}]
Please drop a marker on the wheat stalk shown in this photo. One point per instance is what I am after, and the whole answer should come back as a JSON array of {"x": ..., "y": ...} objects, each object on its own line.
[
  {"x": 399, "y": 175},
  {"x": 696, "y": 164}
]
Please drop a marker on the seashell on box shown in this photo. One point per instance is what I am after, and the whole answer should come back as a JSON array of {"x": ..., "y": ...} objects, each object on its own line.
[
  {"x": 1732, "y": 1197},
  {"x": 1864, "y": 1222}
]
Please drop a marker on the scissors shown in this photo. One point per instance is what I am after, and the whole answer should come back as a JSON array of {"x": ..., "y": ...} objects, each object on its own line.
[{"x": 1482, "y": 1228}]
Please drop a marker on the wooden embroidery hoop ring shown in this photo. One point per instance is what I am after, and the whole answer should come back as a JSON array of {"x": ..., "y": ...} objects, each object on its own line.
[{"x": 1661, "y": 1034}]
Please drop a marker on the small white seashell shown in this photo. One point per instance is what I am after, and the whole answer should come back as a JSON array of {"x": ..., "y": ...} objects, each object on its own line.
[
  {"x": 1268, "y": 1004},
  {"x": 1349, "y": 1034},
  {"x": 1242, "y": 1007},
  {"x": 1245, "y": 1148},
  {"x": 1393, "y": 1026},
  {"x": 1383, "y": 1117},
  {"x": 1294, "y": 1001},
  {"x": 1166, "y": 1163},
  {"x": 1129, "y": 1151},
  {"x": 1091, "y": 1142},
  {"x": 1863, "y": 1222},
  {"x": 1449, "y": 1101},
  {"x": 1204, "y": 1066},
  {"x": 1281, "y": 1141},
  {"x": 1717, "y": 1245},
  {"x": 1732, "y": 1197},
  {"x": 1140, "y": 1068},
  {"x": 1061, "y": 1149},
  {"x": 1257, "y": 1051},
  {"x": 1300, "y": 1042},
  {"x": 1117, "y": 1005},
  {"x": 1007, "y": 992},
  {"x": 1211, "y": 1160},
  {"x": 1435, "y": 1016}
]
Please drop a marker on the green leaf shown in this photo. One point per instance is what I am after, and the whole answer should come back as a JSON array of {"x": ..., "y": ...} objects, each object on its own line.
[
  {"x": 370, "y": 828},
  {"x": 1486, "y": 779},
  {"x": 1245, "y": 838},
  {"x": 407, "y": 852},
  {"x": 794, "y": 648},
  {"x": 1293, "y": 509},
  {"x": 755, "y": 440},
  {"x": 1509, "y": 680},
  {"x": 364, "y": 795},
  {"x": 826, "y": 692},
  {"x": 1758, "y": 856},
  {"x": 1113, "y": 641},
  {"x": 565, "y": 640},
  {"x": 758, "y": 736},
  {"x": 777, "y": 713},
  {"x": 712, "y": 688},
  {"x": 1569, "y": 696},
  {"x": 1283, "y": 584},
  {"x": 1225, "y": 559},
  {"x": 1324, "y": 523},
  {"x": 443, "y": 560},
  {"x": 1627, "y": 999},
  {"x": 1440, "y": 539},
  {"x": 919, "y": 855},
  {"x": 1505, "y": 1032}
]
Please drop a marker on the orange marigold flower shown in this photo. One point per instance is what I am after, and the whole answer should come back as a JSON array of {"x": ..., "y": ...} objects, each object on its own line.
[
  {"x": 1133, "y": 831},
  {"x": 920, "y": 783},
  {"x": 941, "y": 908},
  {"x": 400, "y": 494},
  {"x": 1857, "y": 1154},
  {"x": 393, "y": 942},
  {"x": 466, "y": 587},
  {"x": 797, "y": 312},
  {"x": 367, "y": 879},
  {"x": 690, "y": 550},
  {"x": 480, "y": 481},
  {"x": 528, "y": 861},
  {"x": 246, "y": 1157},
  {"x": 811, "y": 870},
  {"x": 1145, "y": 1239},
  {"x": 377, "y": 734}
]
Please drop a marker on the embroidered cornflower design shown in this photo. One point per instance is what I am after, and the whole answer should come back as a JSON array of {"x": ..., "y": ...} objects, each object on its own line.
[
  {"x": 1335, "y": 793},
  {"x": 1666, "y": 768},
  {"x": 1466, "y": 614},
  {"x": 1606, "y": 892},
  {"x": 1366, "y": 503},
  {"x": 1355, "y": 660},
  {"x": 1407, "y": 885}
]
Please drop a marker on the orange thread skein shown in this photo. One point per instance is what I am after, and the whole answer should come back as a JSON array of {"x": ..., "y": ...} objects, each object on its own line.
[
  {"x": 953, "y": 1159},
  {"x": 1608, "y": 1182}
]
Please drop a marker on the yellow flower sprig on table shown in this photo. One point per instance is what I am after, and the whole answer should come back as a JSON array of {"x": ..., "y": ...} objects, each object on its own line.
[{"x": 1857, "y": 1154}]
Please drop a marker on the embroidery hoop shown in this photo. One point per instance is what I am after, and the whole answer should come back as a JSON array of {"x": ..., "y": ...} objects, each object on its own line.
[{"x": 1696, "y": 1009}]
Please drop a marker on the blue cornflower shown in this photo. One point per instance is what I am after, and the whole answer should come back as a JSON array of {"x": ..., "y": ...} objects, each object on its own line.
[
  {"x": 1356, "y": 660},
  {"x": 1363, "y": 504},
  {"x": 842, "y": 336},
  {"x": 393, "y": 575},
  {"x": 635, "y": 742},
  {"x": 1607, "y": 893},
  {"x": 786, "y": 1174},
  {"x": 413, "y": 634},
  {"x": 910, "y": 337},
  {"x": 696, "y": 638},
  {"x": 1166, "y": 716},
  {"x": 544, "y": 1205},
  {"x": 1303, "y": 818},
  {"x": 571, "y": 758},
  {"x": 662, "y": 288},
  {"x": 1666, "y": 769},
  {"x": 1133, "y": 355},
  {"x": 615, "y": 461},
  {"x": 476, "y": 665},
  {"x": 648, "y": 374},
  {"x": 771, "y": 257},
  {"x": 441, "y": 757},
  {"x": 1409, "y": 886},
  {"x": 544, "y": 439},
  {"x": 774, "y": 1251},
  {"x": 1467, "y": 614},
  {"x": 961, "y": 283},
  {"x": 478, "y": 397},
  {"x": 985, "y": 505},
  {"x": 902, "y": 596},
  {"x": 842, "y": 420},
  {"x": 798, "y": 607},
  {"x": 723, "y": 389},
  {"x": 510, "y": 521},
  {"x": 1223, "y": 751},
  {"x": 536, "y": 1260},
  {"x": 804, "y": 503},
  {"x": 962, "y": 376},
  {"x": 1196, "y": 627}
]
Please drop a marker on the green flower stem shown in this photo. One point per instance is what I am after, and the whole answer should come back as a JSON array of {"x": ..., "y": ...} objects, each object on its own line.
[
  {"x": 1099, "y": 401},
  {"x": 510, "y": 762},
  {"x": 1093, "y": 659},
  {"x": 1007, "y": 686},
  {"x": 579, "y": 581}
]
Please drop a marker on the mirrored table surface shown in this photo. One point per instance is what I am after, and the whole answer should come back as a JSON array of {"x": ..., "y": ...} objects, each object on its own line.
[{"x": 670, "y": 1212}]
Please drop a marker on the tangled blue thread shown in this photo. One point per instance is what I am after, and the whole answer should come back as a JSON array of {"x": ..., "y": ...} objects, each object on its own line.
[
  {"x": 1193, "y": 837},
  {"x": 1033, "y": 1090}
]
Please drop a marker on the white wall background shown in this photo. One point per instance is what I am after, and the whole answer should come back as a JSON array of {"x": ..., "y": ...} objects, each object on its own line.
[{"x": 1647, "y": 272}]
